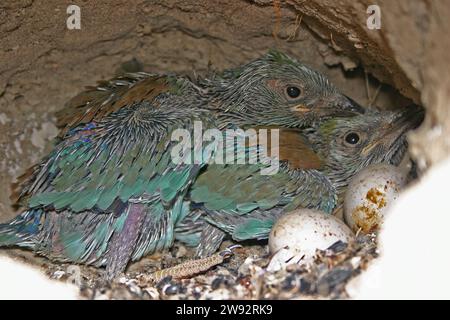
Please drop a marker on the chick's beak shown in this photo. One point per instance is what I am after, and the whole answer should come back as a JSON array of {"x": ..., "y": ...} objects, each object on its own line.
[
  {"x": 334, "y": 106},
  {"x": 348, "y": 105},
  {"x": 409, "y": 118},
  {"x": 401, "y": 122}
]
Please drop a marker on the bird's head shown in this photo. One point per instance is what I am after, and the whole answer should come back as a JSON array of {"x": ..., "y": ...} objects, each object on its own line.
[
  {"x": 348, "y": 145},
  {"x": 280, "y": 91}
]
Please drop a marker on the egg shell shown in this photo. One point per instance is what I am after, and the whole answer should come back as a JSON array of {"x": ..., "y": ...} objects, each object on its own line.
[
  {"x": 370, "y": 195},
  {"x": 303, "y": 231}
]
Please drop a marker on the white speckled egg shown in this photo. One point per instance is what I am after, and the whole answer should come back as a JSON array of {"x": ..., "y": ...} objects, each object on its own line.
[
  {"x": 370, "y": 194},
  {"x": 297, "y": 235}
]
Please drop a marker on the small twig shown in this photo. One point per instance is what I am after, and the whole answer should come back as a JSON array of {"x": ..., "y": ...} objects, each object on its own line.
[
  {"x": 331, "y": 40},
  {"x": 374, "y": 98},
  {"x": 298, "y": 21},
  {"x": 277, "y": 9},
  {"x": 367, "y": 87}
]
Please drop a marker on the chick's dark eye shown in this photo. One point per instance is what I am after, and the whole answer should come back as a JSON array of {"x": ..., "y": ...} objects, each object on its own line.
[
  {"x": 293, "y": 92},
  {"x": 352, "y": 138}
]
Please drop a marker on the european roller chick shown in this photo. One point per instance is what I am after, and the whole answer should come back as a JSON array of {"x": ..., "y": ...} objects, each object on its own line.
[
  {"x": 238, "y": 201},
  {"x": 109, "y": 193}
]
